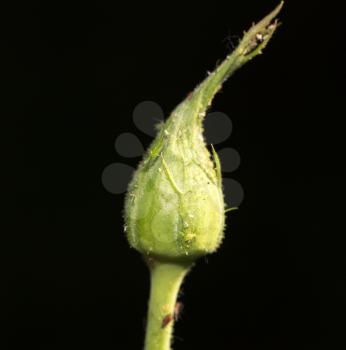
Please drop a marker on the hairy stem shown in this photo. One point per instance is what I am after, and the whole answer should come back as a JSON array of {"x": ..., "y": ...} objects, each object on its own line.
[{"x": 166, "y": 279}]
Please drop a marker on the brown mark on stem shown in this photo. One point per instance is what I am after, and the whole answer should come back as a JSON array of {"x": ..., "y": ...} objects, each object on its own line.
[{"x": 166, "y": 320}]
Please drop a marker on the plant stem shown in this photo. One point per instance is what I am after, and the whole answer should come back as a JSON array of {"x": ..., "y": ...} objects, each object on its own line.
[{"x": 166, "y": 279}]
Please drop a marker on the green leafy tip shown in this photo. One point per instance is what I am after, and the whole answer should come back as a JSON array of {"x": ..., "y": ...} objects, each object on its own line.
[{"x": 251, "y": 45}]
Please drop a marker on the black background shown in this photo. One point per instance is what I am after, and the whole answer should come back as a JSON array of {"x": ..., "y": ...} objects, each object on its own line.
[{"x": 74, "y": 74}]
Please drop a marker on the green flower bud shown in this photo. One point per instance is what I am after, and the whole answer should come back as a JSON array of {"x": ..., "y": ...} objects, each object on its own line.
[
  {"x": 174, "y": 207},
  {"x": 175, "y": 204}
]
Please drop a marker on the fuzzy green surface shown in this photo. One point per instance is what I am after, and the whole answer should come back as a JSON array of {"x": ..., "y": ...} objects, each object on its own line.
[
  {"x": 174, "y": 207},
  {"x": 175, "y": 203}
]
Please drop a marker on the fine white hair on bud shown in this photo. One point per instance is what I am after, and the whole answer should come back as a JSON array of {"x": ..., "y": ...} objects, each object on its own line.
[{"x": 174, "y": 207}]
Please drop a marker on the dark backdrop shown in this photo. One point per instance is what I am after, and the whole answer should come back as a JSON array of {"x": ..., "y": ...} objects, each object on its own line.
[{"x": 74, "y": 74}]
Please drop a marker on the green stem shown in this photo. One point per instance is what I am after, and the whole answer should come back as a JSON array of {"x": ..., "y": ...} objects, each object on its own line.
[{"x": 166, "y": 279}]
